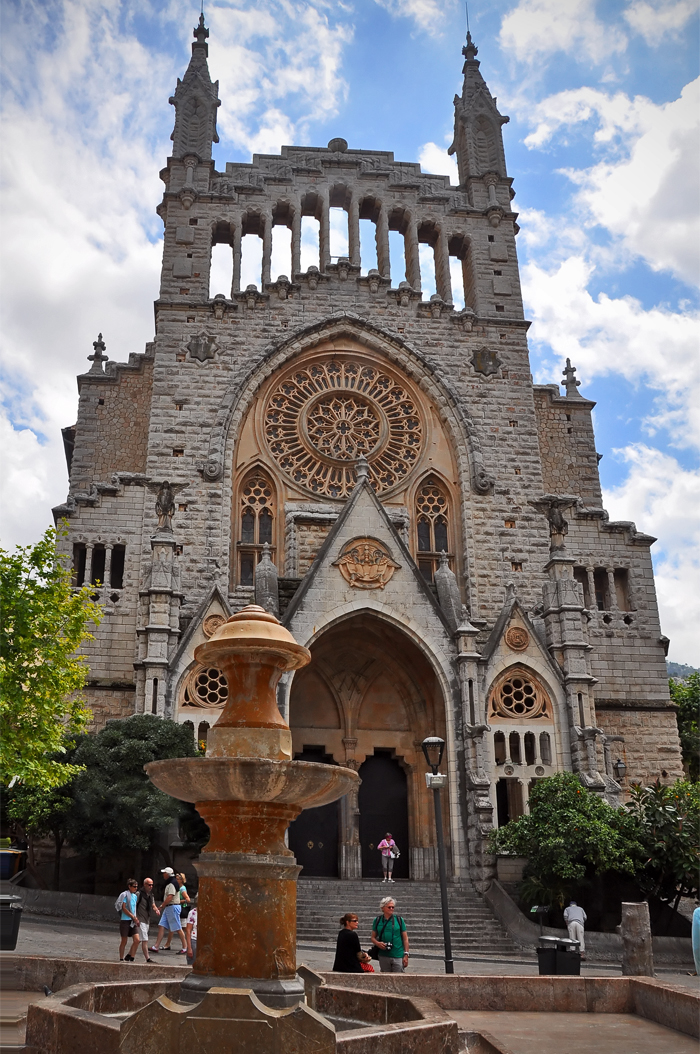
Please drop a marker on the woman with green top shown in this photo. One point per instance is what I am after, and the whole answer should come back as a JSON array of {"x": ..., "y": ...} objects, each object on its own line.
[{"x": 183, "y": 899}]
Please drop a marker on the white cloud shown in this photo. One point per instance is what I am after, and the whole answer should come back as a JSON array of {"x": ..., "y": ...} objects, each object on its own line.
[
  {"x": 663, "y": 498},
  {"x": 436, "y": 160},
  {"x": 605, "y": 335},
  {"x": 646, "y": 191},
  {"x": 268, "y": 57},
  {"x": 429, "y": 15},
  {"x": 85, "y": 132},
  {"x": 536, "y": 29},
  {"x": 660, "y": 19}
]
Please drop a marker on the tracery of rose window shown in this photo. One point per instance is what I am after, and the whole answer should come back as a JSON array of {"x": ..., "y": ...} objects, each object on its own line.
[
  {"x": 320, "y": 419},
  {"x": 432, "y": 534}
]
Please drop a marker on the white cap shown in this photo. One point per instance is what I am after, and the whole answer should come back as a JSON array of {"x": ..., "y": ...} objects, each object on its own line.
[{"x": 167, "y": 871}]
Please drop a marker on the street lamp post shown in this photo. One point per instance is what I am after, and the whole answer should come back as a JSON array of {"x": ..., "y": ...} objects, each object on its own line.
[{"x": 433, "y": 748}]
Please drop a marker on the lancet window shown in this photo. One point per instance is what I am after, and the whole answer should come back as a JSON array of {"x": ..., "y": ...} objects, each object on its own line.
[
  {"x": 432, "y": 526},
  {"x": 256, "y": 523}
]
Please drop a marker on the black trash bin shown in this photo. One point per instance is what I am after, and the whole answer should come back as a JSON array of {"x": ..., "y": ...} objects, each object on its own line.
[
  {"x": 10, "y": 918},
  {"x": 568, "y": 957},
  {"x": 558, "y": 955}
]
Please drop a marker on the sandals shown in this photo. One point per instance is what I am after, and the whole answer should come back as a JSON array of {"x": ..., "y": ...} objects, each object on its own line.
[
  {"x": 183, "y": 951},
  {"x": 154, "y": 949}
]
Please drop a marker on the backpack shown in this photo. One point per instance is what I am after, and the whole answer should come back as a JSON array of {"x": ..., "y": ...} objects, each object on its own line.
[{"x": 119, "y": 902}]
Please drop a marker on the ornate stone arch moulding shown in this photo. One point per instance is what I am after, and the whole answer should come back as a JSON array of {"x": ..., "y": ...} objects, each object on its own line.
[{"x": 398, "y": 353}]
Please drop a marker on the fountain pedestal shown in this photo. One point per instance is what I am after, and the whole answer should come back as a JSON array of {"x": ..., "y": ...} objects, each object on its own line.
[{"x": 248, "y": 790}]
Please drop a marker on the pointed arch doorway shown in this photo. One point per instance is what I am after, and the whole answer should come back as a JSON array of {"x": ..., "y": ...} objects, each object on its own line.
[{"x": 368, "y": 699}]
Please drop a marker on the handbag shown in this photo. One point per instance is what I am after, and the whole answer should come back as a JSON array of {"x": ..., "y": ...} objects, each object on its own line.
[{"x": 394, "y": 853}]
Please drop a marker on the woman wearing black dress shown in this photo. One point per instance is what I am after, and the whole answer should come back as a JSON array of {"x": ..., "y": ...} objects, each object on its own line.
[{"x": 348, "y": 953}]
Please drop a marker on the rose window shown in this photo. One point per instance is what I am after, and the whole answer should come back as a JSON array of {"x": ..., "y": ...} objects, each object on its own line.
[
  {"x": 320, "y": 419},
  {"x": 519, "y": 696},
  {"x": 205, "y": 686}
]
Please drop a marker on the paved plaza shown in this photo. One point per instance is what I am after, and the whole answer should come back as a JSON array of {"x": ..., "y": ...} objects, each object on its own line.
[{"x": 72, "y": 939}]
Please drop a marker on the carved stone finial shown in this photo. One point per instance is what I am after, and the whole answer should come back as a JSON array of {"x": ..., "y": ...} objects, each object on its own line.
[
  {"x": 362, "y": 469},
  {"x": 470, "y": 50},
  {"x": 448, "y": 592},
  {"x": 266, "y": 582},
  {"x": 99, "y": 355},
  {"x": 200, "y": 32},
  {"x": 571, "y": 384}
]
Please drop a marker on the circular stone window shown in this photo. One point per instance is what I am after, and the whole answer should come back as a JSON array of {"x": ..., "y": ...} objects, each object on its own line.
[
  {"x": 320, "y": 419},
  {"x": 519, "y": 696},
  {"x": 205, "y": 686}
]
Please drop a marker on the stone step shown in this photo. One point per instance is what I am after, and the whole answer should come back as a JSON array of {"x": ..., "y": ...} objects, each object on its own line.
[{"x": 474, "y": 928}]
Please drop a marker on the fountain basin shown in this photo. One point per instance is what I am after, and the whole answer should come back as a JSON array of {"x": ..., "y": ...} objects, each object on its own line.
[{"x": 303, "y": 783}]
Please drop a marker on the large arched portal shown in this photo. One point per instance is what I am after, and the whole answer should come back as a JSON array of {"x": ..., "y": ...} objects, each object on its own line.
[{"x": 367, "y": 700}]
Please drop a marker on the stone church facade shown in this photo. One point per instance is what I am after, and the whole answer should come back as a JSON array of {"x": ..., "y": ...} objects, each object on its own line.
[{"x": 376, "y": 467}]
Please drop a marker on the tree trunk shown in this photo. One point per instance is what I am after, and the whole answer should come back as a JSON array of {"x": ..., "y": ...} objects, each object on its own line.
[
  {"x": 637, "y": 954},
  {"x": 58, "y": 842}
]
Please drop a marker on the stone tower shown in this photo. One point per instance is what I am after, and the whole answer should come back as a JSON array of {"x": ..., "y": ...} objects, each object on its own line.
[{"x": 373, "y": 463}]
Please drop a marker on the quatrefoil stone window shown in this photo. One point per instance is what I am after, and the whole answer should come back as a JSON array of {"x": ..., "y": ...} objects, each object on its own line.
[{"x": 321, "y": 418}]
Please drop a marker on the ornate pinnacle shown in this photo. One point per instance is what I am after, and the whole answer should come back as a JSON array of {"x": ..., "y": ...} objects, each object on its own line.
[
  {"x": 98, "y": 357},
  {"x": 362, "y": 469},
  {"x": 201, "y": 33},
  {"x": 570, "y": 382},
  {"x": 470, "y": 51}
]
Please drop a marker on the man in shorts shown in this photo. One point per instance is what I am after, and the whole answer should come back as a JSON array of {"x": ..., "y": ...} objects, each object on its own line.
[
  {"x": 128, "y": 922},
  {"x": 145, "y": 904},
  {"x": 171, "y": 913}
]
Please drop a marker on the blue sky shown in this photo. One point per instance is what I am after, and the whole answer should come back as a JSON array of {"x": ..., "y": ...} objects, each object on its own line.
[{"x": 602, "y": 144}]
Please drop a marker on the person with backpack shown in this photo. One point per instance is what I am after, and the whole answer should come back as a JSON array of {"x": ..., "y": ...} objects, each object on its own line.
[
  {"x": 390, "y": 938},
  {"x": 125, "y": 904}
]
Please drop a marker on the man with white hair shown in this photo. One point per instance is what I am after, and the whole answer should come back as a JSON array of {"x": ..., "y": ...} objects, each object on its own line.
[
  {"x": 575, "y": 917},
  {"x": 390, "y": 938}
]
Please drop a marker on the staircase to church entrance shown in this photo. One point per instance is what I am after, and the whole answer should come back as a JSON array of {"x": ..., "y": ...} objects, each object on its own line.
[{"x": 474, "y": 928}]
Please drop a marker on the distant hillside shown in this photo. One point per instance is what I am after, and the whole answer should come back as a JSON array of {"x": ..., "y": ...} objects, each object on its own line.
[{"x": 677, "y": 669}]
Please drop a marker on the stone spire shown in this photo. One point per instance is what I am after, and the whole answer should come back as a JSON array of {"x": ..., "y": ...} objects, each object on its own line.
[
  {"x": 478, "y": 142},
  {"x": 196, "y": 100}
]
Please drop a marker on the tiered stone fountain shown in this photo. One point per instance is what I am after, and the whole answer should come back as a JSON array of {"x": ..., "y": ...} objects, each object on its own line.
[{"x": 248, "y": 790}]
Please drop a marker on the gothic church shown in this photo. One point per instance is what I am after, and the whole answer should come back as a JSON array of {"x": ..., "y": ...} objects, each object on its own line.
[{"x": 376, "y": 467}]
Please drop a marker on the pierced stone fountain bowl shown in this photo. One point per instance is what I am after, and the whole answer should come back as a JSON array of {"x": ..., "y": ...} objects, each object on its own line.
[{"x": 303, "y": 783}]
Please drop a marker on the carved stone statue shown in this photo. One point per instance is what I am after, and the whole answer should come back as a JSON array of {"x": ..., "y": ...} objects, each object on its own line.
[
  {"x": 552, "y": 506},
  {"x": 165, "y": 503}
]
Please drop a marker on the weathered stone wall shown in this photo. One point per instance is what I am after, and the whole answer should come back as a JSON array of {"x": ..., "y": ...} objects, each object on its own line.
[
  {"x": 651, "y": 749},
  {"x": 113, "y": 421},
  {"x": 108, "y": 704},
  {"x": 567, "y": 445}
]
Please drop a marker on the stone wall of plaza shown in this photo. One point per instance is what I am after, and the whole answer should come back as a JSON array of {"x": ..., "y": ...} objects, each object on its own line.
[{"x": 221, "y": 466}]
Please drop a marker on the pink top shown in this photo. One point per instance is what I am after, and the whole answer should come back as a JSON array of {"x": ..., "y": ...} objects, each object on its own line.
[{"x": 386, "y": 846}]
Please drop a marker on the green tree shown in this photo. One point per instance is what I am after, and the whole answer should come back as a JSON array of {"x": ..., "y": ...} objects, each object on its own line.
[
  {"x": 44, "y": 622},
  {"x": 686, "y": 695},
  {"x": 115, "y": 805},
  {"x": 568, "y": 832},
  {"x": 41, "y": 813},
  {"x": 669, "y": 819}
]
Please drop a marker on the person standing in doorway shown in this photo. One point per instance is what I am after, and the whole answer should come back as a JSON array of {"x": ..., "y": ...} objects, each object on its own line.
[
  {"x": 389, "y": 851},
  {"x": 575, "y": 918},
  {"x": 390, "y": 938}
]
